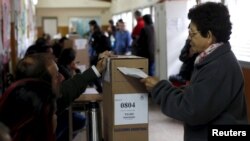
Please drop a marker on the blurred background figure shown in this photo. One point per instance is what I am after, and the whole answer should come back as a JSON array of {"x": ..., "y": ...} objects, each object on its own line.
[
  {"x": 98, "y": 43},
  {"x": 111, "y": 32},
  {"x": 146, "y": 43},
  {"x": 58, "y": 47},
  {"x": 122, "y": 39},
  {"x": 66, "y": 63},
  {"x": 137, "y": 30}
]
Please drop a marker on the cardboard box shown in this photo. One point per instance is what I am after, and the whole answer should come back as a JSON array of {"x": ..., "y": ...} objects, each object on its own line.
[
  {"x": 68, "y": 44},
  {"x": 125, "y": 101},
  {"x": 82, "y": 59}
]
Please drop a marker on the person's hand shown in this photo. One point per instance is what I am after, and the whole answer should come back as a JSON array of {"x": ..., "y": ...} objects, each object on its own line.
[
  {"x": 101, "y": 64},
  {"x": 105, "y": 54},
  {"x": 150, "y": 82}
]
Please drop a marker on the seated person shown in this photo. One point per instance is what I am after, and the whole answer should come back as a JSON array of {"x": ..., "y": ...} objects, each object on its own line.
[
  {"x": 58, "y": 47},
  {"x": 28, "y": 108},
  {"x": 38, "y": 49},
  {"x": 187, "y": 57},
  {"x": 66, "y": 63},
  {"x": 43, "y": 67},
  {"x": 67, "y": 68}
]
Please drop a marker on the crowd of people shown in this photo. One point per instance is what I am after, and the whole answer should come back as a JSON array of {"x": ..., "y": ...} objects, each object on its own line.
[{"x": 47, "y": 81}]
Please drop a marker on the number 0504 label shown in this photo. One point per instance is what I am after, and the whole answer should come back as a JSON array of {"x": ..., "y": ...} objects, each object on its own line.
[{"x": 131, "y": 108}]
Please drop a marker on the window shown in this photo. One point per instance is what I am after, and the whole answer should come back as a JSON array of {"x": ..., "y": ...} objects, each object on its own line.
[
  {"x": 202, "y": 1},
  {"x": 129, "y": 21},
  {"x": 116, "y": 18},
  {"x": 153, "y": 13},
  {"x": 145, "y": 11},
  {"x": 240, "y": 40}
]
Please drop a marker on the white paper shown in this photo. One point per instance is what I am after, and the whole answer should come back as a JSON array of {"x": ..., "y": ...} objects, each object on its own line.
[
  {"x": 131, "y": 108},
  {"x": 134, "y": 72},
  {"x": 82, "y": 68},
  {"x": 90, "y": 91},
  {"x": 80, "y": 43}
]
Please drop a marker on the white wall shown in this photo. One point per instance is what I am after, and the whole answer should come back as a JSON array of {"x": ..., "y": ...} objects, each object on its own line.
[
  {"x": 72, "y": 4},
  {"x": 63, "y": 14}
]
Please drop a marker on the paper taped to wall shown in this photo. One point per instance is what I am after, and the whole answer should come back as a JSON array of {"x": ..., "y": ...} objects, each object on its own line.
[{"x": 134, "y": 72}]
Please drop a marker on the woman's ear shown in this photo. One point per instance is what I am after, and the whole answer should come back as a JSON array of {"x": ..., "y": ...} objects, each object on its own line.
[{"x": 210, "y": 38}]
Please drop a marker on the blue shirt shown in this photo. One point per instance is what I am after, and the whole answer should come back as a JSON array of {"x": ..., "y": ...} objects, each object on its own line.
[{"x": 122, "y": 42}]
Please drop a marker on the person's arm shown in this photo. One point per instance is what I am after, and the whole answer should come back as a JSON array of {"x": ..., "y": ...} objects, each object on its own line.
[
  {"x": 72, "y": 88},
  {"x": 202, "y": 101}
]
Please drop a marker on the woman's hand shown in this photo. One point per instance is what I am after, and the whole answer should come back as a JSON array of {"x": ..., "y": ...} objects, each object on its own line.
[{"x": 150, "y": 82}]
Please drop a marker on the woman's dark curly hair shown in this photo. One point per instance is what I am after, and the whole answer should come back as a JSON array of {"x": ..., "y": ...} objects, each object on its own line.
[{"x": 212, "y": 17}]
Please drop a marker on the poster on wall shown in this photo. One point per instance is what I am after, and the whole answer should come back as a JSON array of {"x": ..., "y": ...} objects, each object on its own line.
[
  {"x": 31, "y": 24},
  {"x": 6, "y": 29},
  {"x": 80, "y": 25},
  {"x": 22, "y": 28}
]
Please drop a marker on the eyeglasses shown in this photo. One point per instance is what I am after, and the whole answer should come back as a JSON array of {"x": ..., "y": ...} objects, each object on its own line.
[{"x": 192, "y": 34}]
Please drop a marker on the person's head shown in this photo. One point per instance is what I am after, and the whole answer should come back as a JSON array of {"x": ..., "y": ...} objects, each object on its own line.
[
  {"x": 28, "y": 108},
  {"x": 210, "y": 23},
  {"x": 121, "y": 25},
  {"x": 94, "y": 26},
  {"x": 38, "y": 49},
  {"x": 61, "y": 41},
  {"x": 111, "y": 22},
  {"x": 41, "y": 41},
  {"x": 41, "y": 66},
  {"x": 67, "y": 58},
  {"x": 57, "y": 48},
  {"x": 4, "y": 133},
  {"x": 47, "y": 38},
  {"x": 147, "y": 19},
  {"x": 137, "y": 14}
]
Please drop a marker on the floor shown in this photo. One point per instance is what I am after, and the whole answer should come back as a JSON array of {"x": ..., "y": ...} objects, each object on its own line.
[{"x": 161, "y": 127}]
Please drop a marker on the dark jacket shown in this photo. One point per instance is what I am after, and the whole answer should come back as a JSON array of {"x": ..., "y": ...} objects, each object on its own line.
[
  {"x": 188, "y": 61},
  {"x": 146, "y": 43},
  {"x": 215, "y": 95},
  {"x": 99, "y": 43},
  {"x": 73, "y": 88}
]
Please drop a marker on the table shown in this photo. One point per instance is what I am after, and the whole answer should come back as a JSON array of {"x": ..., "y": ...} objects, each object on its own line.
[{"x": 91, "y": 98}]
